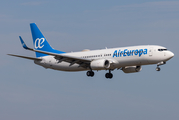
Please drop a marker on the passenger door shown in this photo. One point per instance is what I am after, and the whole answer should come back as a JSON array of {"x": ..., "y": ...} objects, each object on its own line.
[{"x": 150, "y": 52}]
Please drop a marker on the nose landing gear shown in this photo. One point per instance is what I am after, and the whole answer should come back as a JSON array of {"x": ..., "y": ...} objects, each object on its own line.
[
  {"x": 160, "y": 63},
  {"x": 158, "y": 68}
]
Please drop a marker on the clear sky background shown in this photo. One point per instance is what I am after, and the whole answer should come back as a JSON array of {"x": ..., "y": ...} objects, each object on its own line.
[{"x": 30, "y": 92}]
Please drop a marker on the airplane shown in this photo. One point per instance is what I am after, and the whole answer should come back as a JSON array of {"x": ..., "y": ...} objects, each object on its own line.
[{"x": 127, "y": 59}]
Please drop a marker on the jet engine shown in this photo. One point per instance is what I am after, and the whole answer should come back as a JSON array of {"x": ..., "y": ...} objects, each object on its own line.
[
  {"x": 100, "y": 64},
  {"x": 132, "y": 69}
]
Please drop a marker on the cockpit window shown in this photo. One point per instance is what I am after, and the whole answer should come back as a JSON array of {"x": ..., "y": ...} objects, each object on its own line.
[{"x": 162, "y": 49}]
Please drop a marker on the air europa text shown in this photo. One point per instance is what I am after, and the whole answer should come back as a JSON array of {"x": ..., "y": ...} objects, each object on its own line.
[{"x": 126, "y": 52}]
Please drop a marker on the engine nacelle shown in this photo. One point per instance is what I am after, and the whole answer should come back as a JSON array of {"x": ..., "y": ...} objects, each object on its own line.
[
  {"x": 100, "y": 64},
  {"x": 132, "y": 69}
]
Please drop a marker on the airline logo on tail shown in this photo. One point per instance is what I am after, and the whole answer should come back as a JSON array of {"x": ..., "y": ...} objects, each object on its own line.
[{"x": 39, "y": 43}]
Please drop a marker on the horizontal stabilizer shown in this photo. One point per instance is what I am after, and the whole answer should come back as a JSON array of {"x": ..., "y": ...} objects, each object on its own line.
[{"x": 30, "y": 58}]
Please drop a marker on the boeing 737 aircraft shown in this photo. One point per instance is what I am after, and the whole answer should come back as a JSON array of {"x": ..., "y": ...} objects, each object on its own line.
[{"x": 127, "y": 59}]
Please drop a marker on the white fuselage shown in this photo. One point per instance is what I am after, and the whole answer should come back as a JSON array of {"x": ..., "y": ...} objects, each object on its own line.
[{"x": 120, "y": 57}]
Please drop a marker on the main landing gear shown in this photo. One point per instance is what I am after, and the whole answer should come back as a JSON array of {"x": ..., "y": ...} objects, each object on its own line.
[
  {"x": 160, "y": 63},
  {"x": 109, "y": 75},
  {"x": 90, "y": 73}
]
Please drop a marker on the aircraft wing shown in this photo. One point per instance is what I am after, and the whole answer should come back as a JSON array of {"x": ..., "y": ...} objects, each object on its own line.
[
  {"x": 62, "y": 57},
  {"x": 71, "y": 59}
]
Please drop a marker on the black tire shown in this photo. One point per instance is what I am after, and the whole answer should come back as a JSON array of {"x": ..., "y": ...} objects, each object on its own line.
[
  {"x": 107, "y": 75},
  {"x": 157, "y": 69},
  {"x": 90, "y": 73},
  {"x": 110, "y": 75}
]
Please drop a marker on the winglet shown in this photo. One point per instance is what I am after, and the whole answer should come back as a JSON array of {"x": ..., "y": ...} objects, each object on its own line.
[{"x": 23, "y": 43}]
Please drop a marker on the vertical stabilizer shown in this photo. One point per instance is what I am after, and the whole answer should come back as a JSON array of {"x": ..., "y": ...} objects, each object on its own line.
[{"x": 40, "y": 43}]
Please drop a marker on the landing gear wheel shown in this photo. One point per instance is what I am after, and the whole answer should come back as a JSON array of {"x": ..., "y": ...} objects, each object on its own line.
[
  {"x": 90, "y": 73},
  {"x": 109, "y": 75},
  {"x": 157, "y": 69}
]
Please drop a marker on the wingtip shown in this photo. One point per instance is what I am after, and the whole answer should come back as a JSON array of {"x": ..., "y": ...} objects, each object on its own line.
[
  {"x": 20, "y": 37},
  {"x": 23, "y": 43}
]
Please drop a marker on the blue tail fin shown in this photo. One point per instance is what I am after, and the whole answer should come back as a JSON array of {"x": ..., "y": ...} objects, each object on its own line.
[{"x": 40, "y": 43}]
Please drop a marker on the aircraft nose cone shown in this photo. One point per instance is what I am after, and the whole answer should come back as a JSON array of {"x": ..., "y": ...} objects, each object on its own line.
[{"x": 171, "y": 54}]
